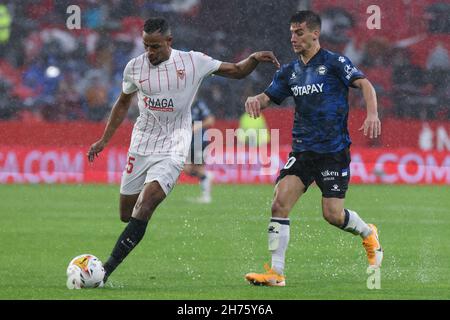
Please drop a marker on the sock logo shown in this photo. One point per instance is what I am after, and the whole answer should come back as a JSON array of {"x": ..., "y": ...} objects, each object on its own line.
[
  {"x": 128, "y": 243},
  {"x": 374, "y": 279},
  {"x": 272, "y": 230}
]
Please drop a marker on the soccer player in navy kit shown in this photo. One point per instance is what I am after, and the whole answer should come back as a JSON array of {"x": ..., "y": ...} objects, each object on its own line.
[
  {"x": 202, "y": 119},
  {"x": 318, "y": 81}
]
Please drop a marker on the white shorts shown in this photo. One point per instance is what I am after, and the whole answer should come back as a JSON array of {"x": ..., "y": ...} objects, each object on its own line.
[{"x": 140, "y": 170}]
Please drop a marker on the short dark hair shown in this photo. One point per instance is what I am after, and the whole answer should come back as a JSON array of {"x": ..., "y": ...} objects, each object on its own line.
[
  {"x": 157, "y": 24},
  {"x": 311, "y": 18}
]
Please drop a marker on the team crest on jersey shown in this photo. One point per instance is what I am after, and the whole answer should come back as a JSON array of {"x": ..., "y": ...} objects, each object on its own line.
[
  {"x": 322, "y": 70},
  {"x": 181, "y": 73}
]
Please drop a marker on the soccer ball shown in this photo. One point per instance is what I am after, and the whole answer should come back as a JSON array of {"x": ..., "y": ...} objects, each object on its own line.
[{"x": 85, "y": 271}]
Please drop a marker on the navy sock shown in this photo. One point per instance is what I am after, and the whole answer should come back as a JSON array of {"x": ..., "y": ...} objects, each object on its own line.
[{"x": 127, "y": 241}]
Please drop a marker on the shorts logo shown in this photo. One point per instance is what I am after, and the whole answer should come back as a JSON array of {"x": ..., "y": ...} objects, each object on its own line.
[
  {"x": 335, "y": 188},
  {"x": 328, "y": 173}
]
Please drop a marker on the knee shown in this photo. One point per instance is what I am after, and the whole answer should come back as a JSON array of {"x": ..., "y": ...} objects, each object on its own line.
[
  {"x": 144, "y": 209},
  {"x": 189, "y": 169},
  {"x": 125, "y": 212},
  {"x": 125, "y": 216},
  {"x": 279, "y": 209}
]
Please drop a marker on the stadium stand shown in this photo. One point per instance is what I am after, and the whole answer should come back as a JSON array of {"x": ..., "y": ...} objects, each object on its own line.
[{"x": 49, "y": 73}]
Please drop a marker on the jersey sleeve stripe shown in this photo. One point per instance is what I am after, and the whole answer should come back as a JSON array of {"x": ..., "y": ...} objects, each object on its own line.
[
  {"x": 167, "y": 130},
  {"x": 157, "y": 138},
  {"x": 185, "y": 71},
  {"x": 148, "y": 79},
  {"x": 353, "y": 79},
  {"x": 176, "y": 73},
  {"x": 142, "y": 134},
  {"x": 272, "y": 98},
  {"x": 134, "y": 63},
  {"x": 167, "y": 76},
  {"x": 159, "y": 79},
  {"x": 140, "y": 74},
  {"x": 181, "y": 124},
  {"x": 173, "y": 132},
  {"x": 153, "y": 127},
  {"x": 193, "y": 68}
]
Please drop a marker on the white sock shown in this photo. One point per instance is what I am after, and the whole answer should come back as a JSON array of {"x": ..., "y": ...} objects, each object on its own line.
[
  {"x": 279, "y": 232},
  {"x": 205, "y": 185},
  {"x": 354, "y": 224}
]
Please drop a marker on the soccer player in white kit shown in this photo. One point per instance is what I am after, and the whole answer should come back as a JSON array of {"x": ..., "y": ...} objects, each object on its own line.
[{"x": 166, "y": 82}]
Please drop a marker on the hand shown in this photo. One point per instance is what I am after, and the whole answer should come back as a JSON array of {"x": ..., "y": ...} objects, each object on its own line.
[
  {"x": 371, "y": 125},
  {"x": 197, "y": 126},
  {"x": 266, "y": 56},
  {"x": 95, "y": 149},
  {"x": 253, "y": 107}
]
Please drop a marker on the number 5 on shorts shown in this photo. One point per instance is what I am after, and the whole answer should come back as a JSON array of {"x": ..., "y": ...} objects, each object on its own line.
[{"x": 130, "y": 164}]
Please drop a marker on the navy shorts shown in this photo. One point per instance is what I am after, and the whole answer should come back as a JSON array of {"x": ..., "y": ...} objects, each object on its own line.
[{"x": 330, "y": 171}]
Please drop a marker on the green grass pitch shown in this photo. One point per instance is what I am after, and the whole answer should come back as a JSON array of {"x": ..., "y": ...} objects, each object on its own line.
[{"x": 193, "y": 251}]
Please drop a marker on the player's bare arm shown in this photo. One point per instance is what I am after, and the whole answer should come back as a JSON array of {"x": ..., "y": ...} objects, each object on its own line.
[
  {"x": 254, "y": 105},
  {"x": 372, "y": 124},
  {"x": 245, "y": 67},
  {"x": 118, "y": 114}
]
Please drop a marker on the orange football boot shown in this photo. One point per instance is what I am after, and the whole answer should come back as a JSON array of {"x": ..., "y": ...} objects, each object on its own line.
[
  {"x": 269, "y": 278},
  {"x": 373, "y": 248}
]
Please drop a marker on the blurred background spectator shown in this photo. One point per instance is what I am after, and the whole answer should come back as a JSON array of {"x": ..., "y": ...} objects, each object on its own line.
[{"x": 51, "y": 73}]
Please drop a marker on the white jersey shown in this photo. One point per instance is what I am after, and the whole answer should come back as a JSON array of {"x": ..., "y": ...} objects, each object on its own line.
[{"x": 165, "y": 95}]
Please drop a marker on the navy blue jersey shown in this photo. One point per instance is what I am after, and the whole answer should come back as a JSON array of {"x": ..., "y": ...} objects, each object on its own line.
[
  {"x": 320, "y": 92},
  {"x": 199, "y": 112}
]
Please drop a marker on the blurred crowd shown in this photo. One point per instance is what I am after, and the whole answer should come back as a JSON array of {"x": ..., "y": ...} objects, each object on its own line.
[{"x": 52, "y": 73}]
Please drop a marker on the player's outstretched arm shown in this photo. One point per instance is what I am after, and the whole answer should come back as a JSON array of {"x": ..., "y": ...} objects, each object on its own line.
[
  {"x": 372, "y": 124},
  {"x": 118, "y": 114},
  {"x": 245, "y": 67},
  {"x": 254, "y": 105}
]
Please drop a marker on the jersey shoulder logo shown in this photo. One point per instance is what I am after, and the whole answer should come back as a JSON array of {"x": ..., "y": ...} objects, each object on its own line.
[
  {"x": 341, "y": 59},
  {"x": 350, "y": 70}
]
